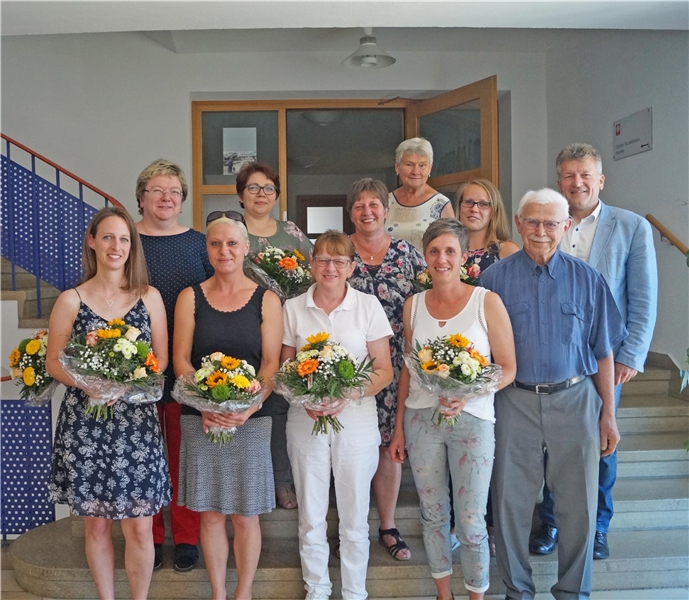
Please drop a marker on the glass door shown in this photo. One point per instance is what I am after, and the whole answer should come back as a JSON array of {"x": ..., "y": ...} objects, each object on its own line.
[{"x": 462, "y": 127}]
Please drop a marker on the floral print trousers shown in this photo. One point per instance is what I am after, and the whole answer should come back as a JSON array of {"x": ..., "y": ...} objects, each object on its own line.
[{"x": 467, "y": 448}]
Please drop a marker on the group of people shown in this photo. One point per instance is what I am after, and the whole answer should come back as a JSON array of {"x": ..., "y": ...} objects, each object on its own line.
[{"x": 566, "y": 340}]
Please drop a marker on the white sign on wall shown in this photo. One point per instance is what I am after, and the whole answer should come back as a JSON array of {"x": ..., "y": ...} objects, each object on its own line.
[{"x": 633, "y": 134}]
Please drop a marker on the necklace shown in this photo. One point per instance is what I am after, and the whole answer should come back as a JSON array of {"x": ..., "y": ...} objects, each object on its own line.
[
  {"x": 379, "y": 249},
  {"x": 111, "y": 301}
]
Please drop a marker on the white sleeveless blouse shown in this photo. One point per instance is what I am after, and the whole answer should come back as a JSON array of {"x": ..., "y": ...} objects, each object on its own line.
[{"x": 470, "y": 322}]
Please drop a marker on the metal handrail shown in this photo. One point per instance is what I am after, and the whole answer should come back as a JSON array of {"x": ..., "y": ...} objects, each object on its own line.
[
  {"x": 667, "y": 234},
  {"x": 35, "y": 217},
  {"x": 93, "y": 188}
]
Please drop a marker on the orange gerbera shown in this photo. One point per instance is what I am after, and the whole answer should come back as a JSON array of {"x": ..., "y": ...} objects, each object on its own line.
[
  {"x": 217, "y": 378},
  {"x": 15, "y": 355},
  {"x": 479, "y": 357},
  {"x": 307, "y": 367},
  {"x": 429, "y": 366},
  {"x": 298, "y": 254},
  {"x": 152, "y": 363},
  {"x": 288, "y": 263},
  {"x": 229, "y": 362},
  {"x": 458, "y": 341}
]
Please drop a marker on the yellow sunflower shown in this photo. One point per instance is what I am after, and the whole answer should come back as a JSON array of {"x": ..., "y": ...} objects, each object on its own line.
[
  {"x": 430, "y": 366},
  {"x": 299, "y": 255},
  {"x": 105, "y": 334},
  {"x": 317, "y": 337},
  {"x": 15, "y": 355},
  {"x": 29, "y": 376},
  {"x": 116, "y": 322},
  {"x": 32, "y": 347},
  {"x": 230, "y": 363},
  {"x": 241, "y": 382},
  {"x": 216, "y": 378},
  {"x": 458, "y": 341}
]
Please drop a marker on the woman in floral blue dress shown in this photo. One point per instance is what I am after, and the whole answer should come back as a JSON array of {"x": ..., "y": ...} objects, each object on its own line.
[
  {"x": 114, "y": 469},
  {"x": 386, "y": 268}
]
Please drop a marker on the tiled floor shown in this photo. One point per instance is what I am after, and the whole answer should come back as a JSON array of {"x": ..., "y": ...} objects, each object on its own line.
[{"x": 10, "y": 590}]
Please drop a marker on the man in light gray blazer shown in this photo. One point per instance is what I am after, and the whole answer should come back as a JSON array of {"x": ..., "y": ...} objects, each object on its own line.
[{"x": 619, "y": 244}]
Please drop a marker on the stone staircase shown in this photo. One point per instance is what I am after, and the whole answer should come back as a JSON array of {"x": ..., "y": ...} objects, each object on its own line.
[
  {"x": 26, "y": 296},
  {"x": 649, "y": 536}
]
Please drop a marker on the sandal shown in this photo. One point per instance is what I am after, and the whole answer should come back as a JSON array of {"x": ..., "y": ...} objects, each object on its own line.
[
  {"x": 397, "y": 547},
  {"x": 286, "y": 498}
]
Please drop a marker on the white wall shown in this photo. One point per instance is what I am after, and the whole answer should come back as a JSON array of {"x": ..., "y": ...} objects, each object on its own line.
[
  {"x": 594, "y": 80},
  {"x": 106, "y": 105}
]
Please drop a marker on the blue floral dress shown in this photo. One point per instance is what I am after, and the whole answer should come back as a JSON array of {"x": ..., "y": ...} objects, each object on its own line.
[
  {"x": 392, "y": 282},
  {"x": 114, "y": 468},
  {"x": 479, "y": 260}
]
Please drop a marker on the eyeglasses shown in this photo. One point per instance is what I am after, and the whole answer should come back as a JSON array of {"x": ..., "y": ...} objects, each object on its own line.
[
  {"x": 482, "y": 204},
  {"x": 268, "y": 190},
  {"x": 228, "y": 214},
  {"x": 340, "y": 263},
  {"x": 549, "y": 226},
  {"x": 158, "y": 193}
]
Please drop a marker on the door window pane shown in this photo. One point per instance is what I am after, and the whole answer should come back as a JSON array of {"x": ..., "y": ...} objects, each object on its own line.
[
  {"x": 231, "y": 139},
  {"x": 455, "y": 134}
]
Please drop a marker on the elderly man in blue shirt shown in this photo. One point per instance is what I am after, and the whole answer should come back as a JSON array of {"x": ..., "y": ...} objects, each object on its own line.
[{"x": 566, "y": 325}]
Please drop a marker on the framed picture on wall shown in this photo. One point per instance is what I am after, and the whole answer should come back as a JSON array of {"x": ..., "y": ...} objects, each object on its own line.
[{"x": 238, "y": 148}]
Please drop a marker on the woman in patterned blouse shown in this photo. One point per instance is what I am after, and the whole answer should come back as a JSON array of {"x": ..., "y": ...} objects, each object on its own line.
[{"x": 385, "y": 267}]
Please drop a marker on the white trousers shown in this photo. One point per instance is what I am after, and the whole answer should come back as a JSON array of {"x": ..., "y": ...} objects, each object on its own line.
[{"x": 353, "y": 456}]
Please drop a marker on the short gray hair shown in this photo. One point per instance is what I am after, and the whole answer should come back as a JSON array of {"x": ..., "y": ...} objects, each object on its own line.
[
  {"x": 417, "y": 145},
  {"x": 441, "y": 227},
  {"x": 543, "y": 196},
  {"x": 372, "y": 186},
  {"x": 579, "y": 152}
]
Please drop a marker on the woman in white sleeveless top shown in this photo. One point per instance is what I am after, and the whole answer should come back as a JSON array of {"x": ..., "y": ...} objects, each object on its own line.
[{"x": 467, "y": 447}]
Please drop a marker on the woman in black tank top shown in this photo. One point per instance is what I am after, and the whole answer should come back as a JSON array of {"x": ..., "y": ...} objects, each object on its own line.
[{"x": 228, "y": 313}]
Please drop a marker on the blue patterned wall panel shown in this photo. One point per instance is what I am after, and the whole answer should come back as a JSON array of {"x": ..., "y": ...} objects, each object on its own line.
[
  {"x": 25, "y": 446},
  {"x": 48, "y": 234}
]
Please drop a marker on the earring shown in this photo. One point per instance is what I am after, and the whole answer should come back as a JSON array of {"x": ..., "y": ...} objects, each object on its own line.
[{"x": 181, "y": 210}]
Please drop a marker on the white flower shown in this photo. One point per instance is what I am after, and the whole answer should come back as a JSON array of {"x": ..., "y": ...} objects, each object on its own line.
[
  {"x": 132, "y": 333},
  {"x": 425, "y": 354},
  {"x": 203, "y": 373},
  {"x": 125, "y": 347},
  {"x": 216, "y": 356},
  {"x": 139, "y": 373},
  {"x": 466, "y": 370}
]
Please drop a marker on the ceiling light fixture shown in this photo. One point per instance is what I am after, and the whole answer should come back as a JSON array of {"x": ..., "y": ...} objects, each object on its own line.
[{"x": 368, "y": 54}]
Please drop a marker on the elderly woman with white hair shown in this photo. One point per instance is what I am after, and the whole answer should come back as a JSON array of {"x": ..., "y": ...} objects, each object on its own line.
[
  {"x": 228, "y": 313},
  {"x": 415, "y": 205}
]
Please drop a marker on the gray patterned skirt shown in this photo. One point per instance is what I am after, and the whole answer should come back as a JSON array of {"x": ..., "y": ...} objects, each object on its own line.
[{"x": 236, "y": 478}]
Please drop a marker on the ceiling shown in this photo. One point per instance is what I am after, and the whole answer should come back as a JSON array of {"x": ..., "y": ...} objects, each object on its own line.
[{"x": 332, "y": 22}]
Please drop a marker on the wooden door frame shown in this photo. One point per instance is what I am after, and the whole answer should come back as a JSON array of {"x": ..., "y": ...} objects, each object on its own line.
[
  {"x": 198, "y": 107},
  {"x": 486, "y": 92}
]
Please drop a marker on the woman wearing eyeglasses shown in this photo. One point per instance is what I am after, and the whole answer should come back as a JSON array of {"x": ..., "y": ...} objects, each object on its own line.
[
  {"x": 176, "y": 258},
  {"x": 228, "y": 313},
  {"x": 258, "y": 187},
  {"x": 357, "y": 321},
  {"x": 482, "y": 211}
]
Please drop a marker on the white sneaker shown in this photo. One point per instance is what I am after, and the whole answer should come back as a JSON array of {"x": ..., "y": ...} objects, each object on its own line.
[
  {"x": 317, "y": 595},
  {"x": 454, "y": 541}
]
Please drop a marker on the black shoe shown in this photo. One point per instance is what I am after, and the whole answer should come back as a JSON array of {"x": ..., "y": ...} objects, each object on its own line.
[
  {"x": 600, "y": 546},
  {"x": 543, "y": 540},
  {"x": 186, "y": 557},
  {"x": 158, "y": 556}
]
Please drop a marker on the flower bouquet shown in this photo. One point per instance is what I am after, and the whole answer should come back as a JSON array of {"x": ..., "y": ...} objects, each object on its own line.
[
  {"x": 27, "y": 364},
  {"x": 111, "y": 363},
  {"x": 223, "y": 384},
  {"x": 324, "y": 376},
  {"x": 450, "y": 367},
  {"x": 285, "y": 272}
]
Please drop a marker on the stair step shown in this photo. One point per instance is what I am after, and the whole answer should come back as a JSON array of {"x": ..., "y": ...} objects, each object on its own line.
[
  {"x": 652, "y": 455},
  {"x": 638, "y": 559},
  {"x": 653, "y": 406}
]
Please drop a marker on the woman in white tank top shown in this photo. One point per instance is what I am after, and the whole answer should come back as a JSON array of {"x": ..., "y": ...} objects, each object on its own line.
[{"x": 466, "y": 448}]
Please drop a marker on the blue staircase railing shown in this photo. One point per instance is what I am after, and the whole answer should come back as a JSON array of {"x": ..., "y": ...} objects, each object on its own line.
[{"x": 43, "y": 225}]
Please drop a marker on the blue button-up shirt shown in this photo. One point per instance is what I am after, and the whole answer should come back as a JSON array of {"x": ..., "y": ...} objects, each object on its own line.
[{"x": 563, "y": 315}]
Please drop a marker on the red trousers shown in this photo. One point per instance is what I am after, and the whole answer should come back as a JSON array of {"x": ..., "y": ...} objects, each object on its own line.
[{"x": 185, "y": 522}]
